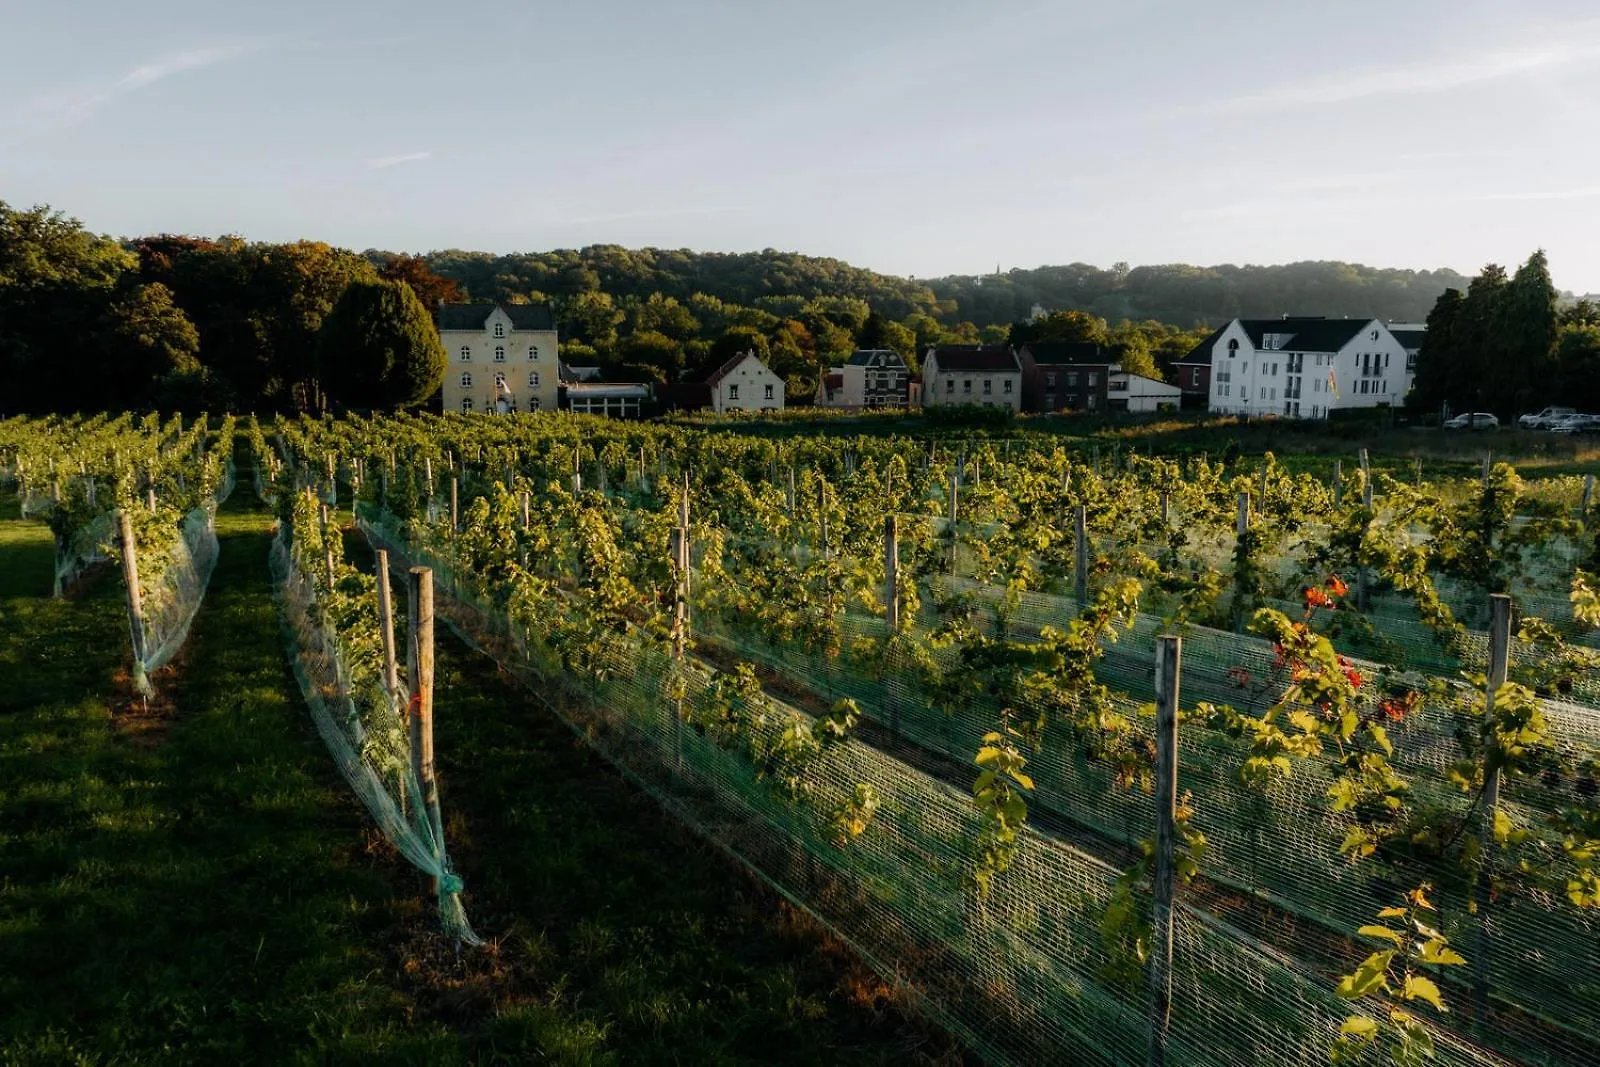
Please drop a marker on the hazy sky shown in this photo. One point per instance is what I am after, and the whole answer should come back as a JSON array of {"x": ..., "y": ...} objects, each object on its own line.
[{"x": 919, "y": 137}]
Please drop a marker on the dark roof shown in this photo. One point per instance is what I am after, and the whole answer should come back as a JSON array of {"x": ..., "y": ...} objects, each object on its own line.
[
  {"x": 867, "y": 357},
  {"x": 975, "y": 357},
  {"x": 473, "y": 316},
  {"x": 1411, "y": 340},
  {"x": 1066, "y": 352},
  {"x": 1201, "y": 353},
  {"x": 1306, "y": 334},
  {"x": 727, "y": 368}
]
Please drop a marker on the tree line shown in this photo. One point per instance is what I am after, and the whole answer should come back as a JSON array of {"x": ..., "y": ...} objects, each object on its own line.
[
  {"x": 88, "y": 322},
  {"x": 1509, "y": 344}
]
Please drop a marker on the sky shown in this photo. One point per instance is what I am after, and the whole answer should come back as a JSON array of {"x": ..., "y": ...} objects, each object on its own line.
[{"x": 915, "y": 137}]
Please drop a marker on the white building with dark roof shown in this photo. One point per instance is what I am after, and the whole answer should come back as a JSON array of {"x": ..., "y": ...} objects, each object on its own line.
[
  {"x": 870, "y": 378},
  {"x": 1303, "y": 367},
  {"x": 502, "y": 357},
  {"x": 744, "y": 383}
]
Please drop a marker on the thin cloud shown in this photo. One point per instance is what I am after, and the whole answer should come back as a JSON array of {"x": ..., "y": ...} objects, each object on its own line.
[
  {"x": 660, "y": 213},
  {"x": 55, "y": 110},
  {"x": 1408, "y": 80},
  {"x": 1584, "y": 193},
  {"x": 380, "y": 162}
]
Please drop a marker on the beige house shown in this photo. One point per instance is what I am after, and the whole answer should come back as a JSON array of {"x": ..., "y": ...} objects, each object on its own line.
[
  {"x": 744, "y": 383},
  {"x": 986, "y": 375},
  {"x": 502, "y": 357}
]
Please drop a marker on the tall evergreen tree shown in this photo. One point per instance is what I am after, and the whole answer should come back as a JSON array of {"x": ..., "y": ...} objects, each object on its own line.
[
  {"x": 1438, "y": 362},
  {"x": 1526, "y": 322},
  {"x": 1478, "y": 340},
  {"x": 378, "y": 348}
]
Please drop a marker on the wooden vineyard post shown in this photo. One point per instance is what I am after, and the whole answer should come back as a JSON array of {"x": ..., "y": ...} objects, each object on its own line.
[
  {"x": 1338, "y": 482},
  {"x": 680, "y": 619},
  {"x": 1261, "y": 493},
  {"x": 1361, "y": 566},
  {"x": 333, "y": 485},
  {"x": 526, "y": 519},
  {"x": 891, "y": 569},
  {"x": 1365, "y": 467},
  {"x": 1080, "y": 548},
  {"x": 1169, "y": 660},
  {"x": 419, "y": 665},
  {"x": 1416, "y": 471},
  {"x": 455, "y": 513},
  {"x": 391, "y": 666},
  {"x": 1241, "y": 529},
  {"x": 1487, "y": 456},
  {"x": 327, "y": 549},
  {"x": 790, "y": 498},
  {"x": 822, "y": 515},
  {"x": 1583, "y": 506},
  {"x": 955, "y": 515},
  {"x": 1499, "y": 659},
  {"x": 1166, "y": 509},
  {"x": 130, "y": 579}
]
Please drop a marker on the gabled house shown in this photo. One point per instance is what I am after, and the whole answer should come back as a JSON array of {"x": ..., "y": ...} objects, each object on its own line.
[
  {"x": 870, "y": 378},
  {"x": 744, "y": 383},
  {"x": 1065, "y": 376},
  {"x": 501, "y": 357},
  {"x": 989, "y": 375},
  {"x": 1140, "y": 395},
  {"x": 1194, "y": 372},
  {"x": 1306, "y": 367},
  {"x": 1410, "y": 335}
]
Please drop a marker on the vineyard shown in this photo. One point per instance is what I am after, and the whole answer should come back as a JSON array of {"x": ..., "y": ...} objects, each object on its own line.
[{"x": 1099, "y": 757}]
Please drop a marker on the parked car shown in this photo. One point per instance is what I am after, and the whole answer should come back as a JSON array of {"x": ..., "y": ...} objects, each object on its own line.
[
  {"x": 1544, "y": 420},
  {"x": 1475, "y": 420},
  {"x": 1577, "y": 424}
]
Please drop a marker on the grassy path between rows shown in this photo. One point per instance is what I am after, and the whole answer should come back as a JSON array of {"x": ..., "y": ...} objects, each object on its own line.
[
  {"x": 197, "y": 885},
  {"x": 188, "y": 889},
  {"x": 623, "y": 938}
]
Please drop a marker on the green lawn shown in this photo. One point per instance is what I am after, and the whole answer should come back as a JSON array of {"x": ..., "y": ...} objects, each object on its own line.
[{"x": 198, "y": 886}]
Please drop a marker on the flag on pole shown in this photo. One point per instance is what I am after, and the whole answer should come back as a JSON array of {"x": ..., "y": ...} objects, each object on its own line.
[{"x": 1333, "y": 384}]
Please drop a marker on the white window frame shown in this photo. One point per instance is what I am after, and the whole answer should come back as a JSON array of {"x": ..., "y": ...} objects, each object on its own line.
[
  {"x": 499, "y": 329},
  {"x": 466, "y": 353},
  {"x": 466, "y": 379},
  {"x": 533, "y": 379}
]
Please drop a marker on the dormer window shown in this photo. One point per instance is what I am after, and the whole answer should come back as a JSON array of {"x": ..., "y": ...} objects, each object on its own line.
[
  {"x": 466, "y": 353},
  {"x": 499, "y": 353},
  {"x": 499, "y": 329},
  {"x": 1233, "y": 348}
]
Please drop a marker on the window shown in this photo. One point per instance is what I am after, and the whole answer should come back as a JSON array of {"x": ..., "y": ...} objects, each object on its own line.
[
  {"x": 499, "y": 353},
  {"x": 466, "y": 353},
  {"x": 1411, "y": 361},
  {"x": 988, "y": 386},
  {"x": 1008, "y": 385},
  {"x": 466, "y": 379},
  {"x": 1263, "y": 392},
  {"x": 1094, "y": 379},
  {"x": 733, "y": 392},
  {"x": 768, "y": 394},
  {"x": 499, "y": 382},
  {"x": 533, "y": 379},
  {"x": 1072, "y": 378},
  {"x": 533, "y": 352},
  {"x": 966, "y": 385},
  {"x": 499, "y": 329},
  {"x": 949, "y": 385},
  {"x": 466, "y": 403},
  {"x": 1092, "y": 399},
  {"x": 1050, "y": 380},
  {"x": 1233, "y": 348}
]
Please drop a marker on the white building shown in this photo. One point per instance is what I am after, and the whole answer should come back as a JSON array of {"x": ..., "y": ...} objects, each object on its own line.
[
  {"x": 1307, "y": 367},
  {"x": 617, "y": 400},
  {"x": 870, "y": 378},
  {"x": 988, "y": 375},
  {"x": 502, "y": 357},
  {"x": 744, "y": 383},
  {"x": 1136, "y": 393}
]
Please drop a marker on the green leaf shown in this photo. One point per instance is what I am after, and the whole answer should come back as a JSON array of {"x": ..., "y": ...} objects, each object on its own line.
[
  {"x": 1380, "y": 737},
  {"x": 1359, "y": 1027},
  {"x": 1382, "y": 933},
  {"x": 1368, "y": 978},
  {"x": 1420, "y": 987},
  {"x": 1022, "y": 779},
  {"x": 1392, "y": 913},
  {"x": 1439, "y": 952},
  {"x": 1357, "y": 844}
]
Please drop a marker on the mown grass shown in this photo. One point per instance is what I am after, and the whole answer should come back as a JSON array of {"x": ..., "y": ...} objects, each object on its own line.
[
  {"x": 624, "y": 938},
  {"x": 196, "y": 885},
  {"x": 191, "y": 890}
]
